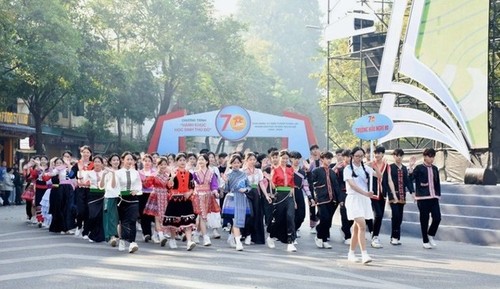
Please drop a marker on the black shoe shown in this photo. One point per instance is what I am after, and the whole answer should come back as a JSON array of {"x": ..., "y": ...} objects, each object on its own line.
[{"x": 147, "y": 238}]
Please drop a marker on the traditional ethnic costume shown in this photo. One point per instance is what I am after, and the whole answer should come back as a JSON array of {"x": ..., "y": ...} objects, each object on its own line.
[
  {"x": 427, "y": 195},
  {"x": 346, "y": 224},
  {"x": 327, "y": 189},
  {"x": 110, "y": 212},
  {"x": 130, "y": 185},
  {"x": 255, "y": 226},
  {"x": 94, "y": 224},
  {"x": 158, "y": 200},
  {"x": 301, "y": 188},
  {"x": 179, "y": 213},
  {"x": 282, "y": 226},
  {"x": 402, "y": 183},
  {"x": 146, "y": 219},
  {"x": 380, "y": 190},
  {"x": 40, "y": 189},
  {"x": 80, "y": 171},
  {"x": 205, "y": 183}
]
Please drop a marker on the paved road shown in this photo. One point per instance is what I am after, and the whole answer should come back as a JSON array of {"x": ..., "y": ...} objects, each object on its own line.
[{"x": 34, "y": 258}]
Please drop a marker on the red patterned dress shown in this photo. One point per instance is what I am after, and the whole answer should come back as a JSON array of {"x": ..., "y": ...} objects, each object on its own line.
[
  {"x": 205, "y": 183},
  {"x": 157, "y": 203}
]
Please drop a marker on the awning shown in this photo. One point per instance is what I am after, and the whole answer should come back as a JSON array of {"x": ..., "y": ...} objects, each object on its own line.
[{"x": 16, "y": 130}]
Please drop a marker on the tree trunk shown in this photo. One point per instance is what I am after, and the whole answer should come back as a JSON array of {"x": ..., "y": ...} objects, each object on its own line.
[
  {"x": 166, "y": 99},
  {"x": 39, "y": 135},
  {"x": 119, "y": 129},
  {"x": 169, "y": 89}
]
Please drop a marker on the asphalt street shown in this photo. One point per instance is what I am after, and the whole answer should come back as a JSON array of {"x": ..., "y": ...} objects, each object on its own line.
[{"x": 35, "y": 258}]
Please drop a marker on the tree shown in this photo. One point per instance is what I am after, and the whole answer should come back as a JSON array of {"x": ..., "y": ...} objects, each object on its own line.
[
  {"x": 279, "y": 37},
  {"x": 42, "y": 60}
]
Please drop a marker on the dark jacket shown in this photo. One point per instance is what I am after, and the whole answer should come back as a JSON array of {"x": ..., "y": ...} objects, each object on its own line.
[
  {"x": 422, "y": 182},
  {"x": 319, "y": 183},
  {"x": 407, "y": 183}
]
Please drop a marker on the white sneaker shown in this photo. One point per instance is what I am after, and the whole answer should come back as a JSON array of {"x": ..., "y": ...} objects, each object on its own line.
[
  {"x": 206, "y": 240},
  {"x": 196, "y": 237},
  {"x": 291, "y": 248},
  {"x": 295, "y": 242},
  {"x": 270, "y": 243},
  {"x": 155, "y": 239},
  {"x": 327, "y": 245},
  {"x": 432, "y": 242},
  {"x": 248, "y": 240},
  {"x": 78, "y": 232},
  {"x": 239, "y": 246},
  {"x": 427, "y": 246},
  {"x": 395, "y": 242},
  {"x": 352, "y": 258},
  {"x": 319, "y": 242},
  {"x": 365, "y": 259},
  {"x": 190, "y": 245},
  {"x": 376, "y": 243},
  {"x": 86, "y": 237},
  {"x": 172, "y": 244},
  {"x": 216, "y": 234},
  {"x": 121, "y": 245},
  {"x": 231, "y": 241},
  {"x": 146, "y": 238},
  {"x": 133, "y": 247},
  {"x": 112, "y": 242},
  {"x": 347, "y": 241}
]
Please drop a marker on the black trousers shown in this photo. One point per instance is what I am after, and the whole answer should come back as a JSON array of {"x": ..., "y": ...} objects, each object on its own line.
[
  {"x": 268, "y": 210},
  {"x": 378, "y": 207},
  {"x": 82, "y": 208},
  {"x": 255, "y": 223},
  {"x": 396, "y": 219},
  {"x": 346, "y": 223},
  {"x": 282, "y": 226},
  {"x": 325, "y": 212},
  {"x": 300, "y": 212},
  {"x": 128, "y": 211},
  {"x": 426, "y": 208},
  {"x": 146, "y": 220},
  {"x": 94, "y": 224}
]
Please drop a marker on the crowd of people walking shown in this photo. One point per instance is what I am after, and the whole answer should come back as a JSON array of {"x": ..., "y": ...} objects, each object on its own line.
[{"x": 258, "y": 198}]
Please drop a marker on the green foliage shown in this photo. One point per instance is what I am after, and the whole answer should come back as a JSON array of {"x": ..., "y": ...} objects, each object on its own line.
[
  {"x": 280, "y": 39},
  {"x": 344, "y": 88},
  {"x": 40, "y": 61}
]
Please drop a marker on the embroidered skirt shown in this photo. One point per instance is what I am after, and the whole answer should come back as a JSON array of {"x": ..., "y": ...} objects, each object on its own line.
[{"x": 179, "y": 213}]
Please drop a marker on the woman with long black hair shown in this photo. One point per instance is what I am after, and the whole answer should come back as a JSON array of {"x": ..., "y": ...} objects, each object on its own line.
[
  {"x": 130, "y": 184},
  {"x": 80, "y": 171},
  {"x": 282, "y": 226},
  {"x": 358, "y": 203}
]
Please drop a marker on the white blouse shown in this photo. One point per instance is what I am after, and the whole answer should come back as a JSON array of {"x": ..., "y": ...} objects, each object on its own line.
[
  {"x": 255, "y": 176},
  {"x": 135, "y": 180},
  {"x": 361, "y": 180},
  {"x": 109, "y": 191}
]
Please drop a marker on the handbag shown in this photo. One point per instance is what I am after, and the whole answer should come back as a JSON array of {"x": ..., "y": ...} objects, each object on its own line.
[{"x": 28, "y": 194}]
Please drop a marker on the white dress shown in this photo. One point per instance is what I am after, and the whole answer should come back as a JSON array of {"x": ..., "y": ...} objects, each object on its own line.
[{"x": 356, "y": 204}]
